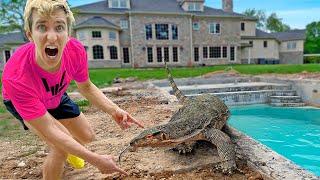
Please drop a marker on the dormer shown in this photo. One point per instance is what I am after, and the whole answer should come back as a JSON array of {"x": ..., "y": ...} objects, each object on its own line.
[
  {"x": 123, "y": 4},
  {"x": 192, "y": 5}
]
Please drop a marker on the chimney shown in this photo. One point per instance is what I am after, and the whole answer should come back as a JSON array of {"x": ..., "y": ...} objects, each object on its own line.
[{"x": 227, "y": 5}]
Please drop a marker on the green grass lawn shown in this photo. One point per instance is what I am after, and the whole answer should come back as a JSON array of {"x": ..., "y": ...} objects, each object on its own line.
[{"x": 104, "y": 77}]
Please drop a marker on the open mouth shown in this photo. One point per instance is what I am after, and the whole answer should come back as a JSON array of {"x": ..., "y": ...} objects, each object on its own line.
[{"x": 51, "y": 51}]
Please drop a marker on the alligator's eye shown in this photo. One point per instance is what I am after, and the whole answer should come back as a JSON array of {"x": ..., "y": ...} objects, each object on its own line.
[{"x": 150, "y": 136}]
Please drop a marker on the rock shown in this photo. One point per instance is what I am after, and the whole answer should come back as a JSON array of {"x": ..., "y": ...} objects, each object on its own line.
[{"x": 22, "y": 164}]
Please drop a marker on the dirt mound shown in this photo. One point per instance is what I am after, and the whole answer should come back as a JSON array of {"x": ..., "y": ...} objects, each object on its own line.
[{"x": 24, "y": 156}]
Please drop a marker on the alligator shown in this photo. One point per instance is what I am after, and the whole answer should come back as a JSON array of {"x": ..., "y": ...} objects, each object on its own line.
[{"x": 200, "y": 118}]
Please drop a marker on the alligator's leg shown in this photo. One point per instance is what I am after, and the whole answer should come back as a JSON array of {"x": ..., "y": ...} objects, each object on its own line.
[
  {"x": 184, "y": 148},
  {"x": 226, "y": 149}
]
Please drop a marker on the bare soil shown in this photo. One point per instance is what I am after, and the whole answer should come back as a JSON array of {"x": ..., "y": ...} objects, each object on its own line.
[{"x": 22, "y": 154}]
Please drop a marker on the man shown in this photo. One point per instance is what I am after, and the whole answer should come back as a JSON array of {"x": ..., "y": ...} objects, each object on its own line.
[{"x": 35, "y": 81}]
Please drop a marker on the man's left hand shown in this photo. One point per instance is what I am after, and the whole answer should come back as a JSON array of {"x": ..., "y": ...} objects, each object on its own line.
[{"x": 124, "y": 119}]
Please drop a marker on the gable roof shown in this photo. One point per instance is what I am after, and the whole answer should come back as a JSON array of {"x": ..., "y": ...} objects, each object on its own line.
[
  {"x": 153, "y": 6},
  {"x": 280, "y": 36},
  {"x": 96, "y": 21},
  {"x": 12, "y": 38},
  {"x": 297, "y": 34}
]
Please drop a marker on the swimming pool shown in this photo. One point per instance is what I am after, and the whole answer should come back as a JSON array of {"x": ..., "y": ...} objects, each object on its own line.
[{"x": 291, "y": 132}]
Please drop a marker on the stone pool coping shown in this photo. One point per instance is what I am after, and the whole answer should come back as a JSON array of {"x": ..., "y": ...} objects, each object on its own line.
[{"x": 264, "y": 160}]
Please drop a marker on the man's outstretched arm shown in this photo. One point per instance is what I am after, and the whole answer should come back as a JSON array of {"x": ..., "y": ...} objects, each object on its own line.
[
  {"x": 47, "y": 127},
  {"x": 97, "y": 98}
]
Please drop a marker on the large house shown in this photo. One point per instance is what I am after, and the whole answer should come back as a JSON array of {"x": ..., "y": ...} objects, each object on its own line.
[{"x": 144, "y": 33}]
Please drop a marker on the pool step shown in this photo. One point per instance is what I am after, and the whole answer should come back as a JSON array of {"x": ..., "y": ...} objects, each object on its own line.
[
  {"x": 243, "y": 93},
  {"x": 288, "y": 104},
  {"x": 229, "y": 87},
  {"x": 287, "y": 101}
]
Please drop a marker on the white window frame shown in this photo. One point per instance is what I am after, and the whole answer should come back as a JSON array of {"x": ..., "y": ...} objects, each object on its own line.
[
  {"x": 111, "y": 37},
  {"x": 292, "y": 45},
  {"x": 124, "y": 24},
  {"x": 214, "y": 24},
  {"x": 194, "y": 6},
  {"x": 178, "y": 54},
  {"x": 196, "y": 26},
  {"x": 153, "y": 54},
  {"x": 118, "y": 3},
  {"x": 96, "y": 31},
  {"x": 81, "y": 36},
  {"x": 235, "y": 54}
]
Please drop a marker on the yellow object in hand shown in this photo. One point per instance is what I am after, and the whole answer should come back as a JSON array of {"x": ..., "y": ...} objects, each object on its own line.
[{"x": 75, "y": 161}]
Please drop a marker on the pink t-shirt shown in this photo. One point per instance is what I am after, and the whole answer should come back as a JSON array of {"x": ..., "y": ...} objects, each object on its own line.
[{"x": 33, "y": 90}]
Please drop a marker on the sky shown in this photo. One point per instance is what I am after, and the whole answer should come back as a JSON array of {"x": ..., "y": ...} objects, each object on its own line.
[{"x": 295, "y": 13}]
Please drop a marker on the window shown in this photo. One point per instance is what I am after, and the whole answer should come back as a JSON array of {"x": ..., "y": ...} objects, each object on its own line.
[
  {"x": 243, "y": 26},
  {"x": 7, "y": 55},
  {"x": 194, "y": 7},
  {"x": 123, "y": 3},
  {"x": 97, "y": 52},
  {"x": 196, "y": 26},
  {"x": 215, "y": 52},
  {"x": 166, "y": 53},
  {"x": 291, "y": 45},
  {"x": 265, "y": 44},
  {"x": 125, "y": 55},
  {"x": 224, "y": 52},
  {"x": 112, "y": 36},
  {"x": 175, "y": 54},
  {"x": 96, "y": 34},
  {"x": 205, "y": 52},
  {"x": 119, "y": 3},
  {"x": 159, "y": 54},
  {"x": 148, "y": 31},
  {"x": 174, "y": 29},
  {"x": 196, "y": 54},
  {"x": 251, "y": 43},
  {"x": 214, "y": 28},
  {"x": 113, "y": 52},
  {"x": 81, "y": 36},
  {"x": 232, "y": 53},
  {"x": 150, "y": 54},
  {"x": 124, "y": 24},
  {"x": 162, "y": 31},
  {"x": 115, "y": 3}
]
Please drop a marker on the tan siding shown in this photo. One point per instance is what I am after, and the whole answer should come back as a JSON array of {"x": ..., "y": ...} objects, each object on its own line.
[
  {"x": 258, "y": 51},
  {"x": 299, "y": 46},
  {"x": 250, "y": 28}
]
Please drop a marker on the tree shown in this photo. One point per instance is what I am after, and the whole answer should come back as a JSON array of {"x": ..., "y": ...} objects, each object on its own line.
[
  {"x": 11, "y": 15},
  {"x": 275, "y": 24},
  {"x": 260, "y": 15},
  {"x": 312, "y": 44}
]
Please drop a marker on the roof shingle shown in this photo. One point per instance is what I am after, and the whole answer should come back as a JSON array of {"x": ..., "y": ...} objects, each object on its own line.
[
  {"x": 160, "y": 6},
  {"x": 96, "y": 21}
]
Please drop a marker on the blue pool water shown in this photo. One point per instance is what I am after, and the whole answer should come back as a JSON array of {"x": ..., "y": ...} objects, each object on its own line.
[{"x": 292, "y": 132}]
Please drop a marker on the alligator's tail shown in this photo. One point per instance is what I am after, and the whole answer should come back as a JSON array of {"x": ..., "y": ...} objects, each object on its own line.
[{"x": 181, "y": 97}]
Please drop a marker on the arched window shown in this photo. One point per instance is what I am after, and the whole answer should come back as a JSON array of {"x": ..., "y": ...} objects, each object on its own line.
[
  {"x": 97, "y": 52},
  {"x": 113, "y": 52}
]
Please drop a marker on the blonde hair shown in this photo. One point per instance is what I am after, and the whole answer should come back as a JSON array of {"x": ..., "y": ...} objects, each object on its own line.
[{"x": 46, "y": 8}]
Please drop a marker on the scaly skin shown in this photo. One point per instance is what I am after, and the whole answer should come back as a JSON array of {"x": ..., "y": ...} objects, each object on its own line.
[{"x": 200, "y": 118}]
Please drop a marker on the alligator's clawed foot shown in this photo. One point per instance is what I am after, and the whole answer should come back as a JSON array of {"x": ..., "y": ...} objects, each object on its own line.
[
  {"x": 183, "y": 148},
  {"x": 227, "y": 167}
]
